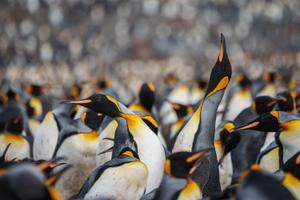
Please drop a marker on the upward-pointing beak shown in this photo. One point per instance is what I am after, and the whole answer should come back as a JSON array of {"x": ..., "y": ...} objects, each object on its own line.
[{"x": 222, "y": 50}]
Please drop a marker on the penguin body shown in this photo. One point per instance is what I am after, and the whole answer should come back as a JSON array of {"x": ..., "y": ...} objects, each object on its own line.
[{"x": 123, "y": 177}]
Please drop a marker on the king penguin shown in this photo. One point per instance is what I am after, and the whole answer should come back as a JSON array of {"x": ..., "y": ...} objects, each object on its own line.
[
  {"x": 258, "y": 184},
  {"x": 177, "y": 182},
  {"x": 12, "y": 128},
  {"x": 78, "y": 147},
  {"x": 149, "y": 148},
  {"x": 123, "y": 177},
  {"x": 200, "y": 129},
  {"x": 287, "y": 127}
]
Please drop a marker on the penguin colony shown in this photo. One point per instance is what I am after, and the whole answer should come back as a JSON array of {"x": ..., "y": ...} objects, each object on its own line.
[{"x": 182, "y": 143}]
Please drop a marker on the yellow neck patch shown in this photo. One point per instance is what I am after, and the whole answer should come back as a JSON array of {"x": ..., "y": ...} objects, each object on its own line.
[
  {"x": 221, "y": 85},
  {"x": 90, "y": 136},
  {"x": 167, "y": 167},
  {"x": 12, "y": 137},
  {"x": 128, "y": 153},
  {"x": 191, "y": 189}
]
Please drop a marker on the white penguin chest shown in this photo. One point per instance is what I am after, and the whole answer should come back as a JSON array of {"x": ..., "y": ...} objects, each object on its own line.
[{"x": 127, "y": 181}]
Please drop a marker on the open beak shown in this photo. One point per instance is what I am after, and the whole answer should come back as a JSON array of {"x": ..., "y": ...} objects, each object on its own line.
[{"x": 196, "y": 156}]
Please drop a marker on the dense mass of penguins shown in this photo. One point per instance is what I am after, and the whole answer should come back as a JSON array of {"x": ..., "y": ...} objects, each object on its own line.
[{"x": 182, "y": 143}]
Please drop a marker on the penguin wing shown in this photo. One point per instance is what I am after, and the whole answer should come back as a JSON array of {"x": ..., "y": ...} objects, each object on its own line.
[
  {"x": 269, "y": 148},
  {"x": 93, "y": 177}
]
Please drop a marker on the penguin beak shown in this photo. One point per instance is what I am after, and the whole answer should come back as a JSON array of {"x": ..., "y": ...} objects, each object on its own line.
[
  {"x": 272, "y": 103},
  {"x": 80, "y": 102},
  {"x": 248, "y": 126},
  {"x": 196, "y": 156},
  {"x": 53, "y": 179}
]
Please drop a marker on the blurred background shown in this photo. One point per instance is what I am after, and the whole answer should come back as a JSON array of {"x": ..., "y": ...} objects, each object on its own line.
[{"x": 63, "y": 42}]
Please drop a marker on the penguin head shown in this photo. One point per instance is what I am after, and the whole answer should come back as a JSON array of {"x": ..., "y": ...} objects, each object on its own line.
[
  {"x": 243, "y": 80},
  {"x": 182, "y": 110},
  {"x": 201, "y": 84},
  {"x": 104, "y": 84},
  {"x": 75, "y": 91},
  {"x": 33, "y": 89},
  {"x": 267, "y": 122},
  {"x": 100, "y": 103},
  {"x": 269, "y": 76},
  {"x": 147, "y": 95},
  {"x": 11, "y": 95},
  {"x": 170, "y": 79},
  {"x": 221, "y": 72},
  {"x": 229, "y": 139},
  {"x": 183, "y": 164},
  {"x": 287, "y": 101},
  {"x": 92, "y": 119},
  {"x": 263, "y": 104}
]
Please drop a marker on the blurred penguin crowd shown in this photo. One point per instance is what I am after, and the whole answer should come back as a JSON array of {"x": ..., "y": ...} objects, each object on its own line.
[{"x": 115, "y": 100}]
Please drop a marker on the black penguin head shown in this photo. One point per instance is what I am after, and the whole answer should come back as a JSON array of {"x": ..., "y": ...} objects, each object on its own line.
[
  {"x": 229, "y": 139},
  {"x": 92, "y": 119},
  {"x": 104, "y": 84},
  {"x": 267, "y": 122},
  {"x": 147, "y": 95},
  {"x": 287, "y": 101},
  {"x": 243, "y": 81},
  {"x": 202, "y": 84},
  {"x": 35, "y": 90},
  {"x": 182, "y": 110},
  {"x": 100, "y": 103},
  {"x": 221, "y": 72},
  {"x": 183, "y": 164},
  {"x": 263, "y": 104},
  {"x": 12, "y": 95},
  {"x": 269, "y": 76},
  {"x": 75, "y": 91}
]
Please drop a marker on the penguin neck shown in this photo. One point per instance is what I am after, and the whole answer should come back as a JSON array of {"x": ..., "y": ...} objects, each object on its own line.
[
  {"x": 207, "y": 111},
  {"x": 190, "y": 191}
]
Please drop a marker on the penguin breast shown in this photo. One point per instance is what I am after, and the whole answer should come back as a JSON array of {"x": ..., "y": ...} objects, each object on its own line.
[
  {"x": 18, "y": 149},
  {"x": 127, "y": 181}
]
